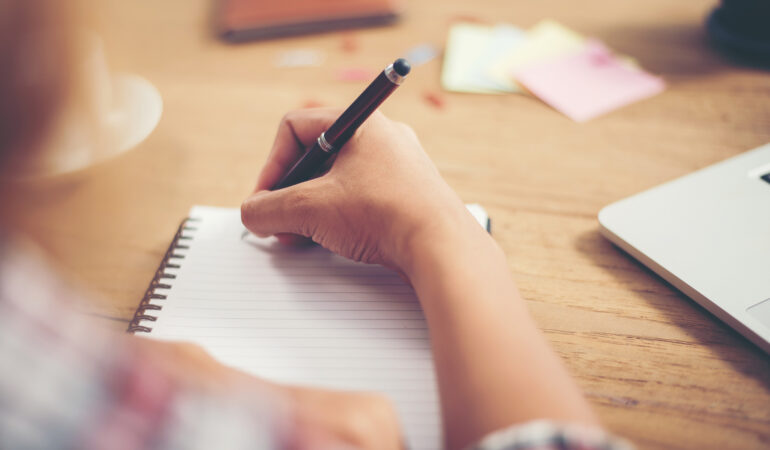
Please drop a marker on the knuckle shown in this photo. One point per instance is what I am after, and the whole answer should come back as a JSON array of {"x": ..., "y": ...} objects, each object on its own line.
[
  {"x": 377, "y": 122},
  {"x": 290, "y": 116},
  {"x": 407, "y": 128}
]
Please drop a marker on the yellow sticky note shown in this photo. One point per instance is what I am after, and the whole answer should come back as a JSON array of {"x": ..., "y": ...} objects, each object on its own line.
[
  {"x": 546, "y": 40},
  {"x": 464, "y": 43}
]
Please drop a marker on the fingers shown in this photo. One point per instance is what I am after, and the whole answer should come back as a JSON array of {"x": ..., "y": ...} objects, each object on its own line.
[
  {"x": 293, "y": 240},
  {"x": 298, "y": 131},
  {"x": 360, "y": 420},
  {"x": 290, "y": 210}
]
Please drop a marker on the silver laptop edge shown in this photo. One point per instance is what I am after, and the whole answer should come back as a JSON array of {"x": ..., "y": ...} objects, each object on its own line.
[
  {"x": 688, "y": 290},
  {"x": 632, "y": 224}
]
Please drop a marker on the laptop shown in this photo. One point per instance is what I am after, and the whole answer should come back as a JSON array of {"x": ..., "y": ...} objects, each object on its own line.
[{"x": 708, "y": 234}]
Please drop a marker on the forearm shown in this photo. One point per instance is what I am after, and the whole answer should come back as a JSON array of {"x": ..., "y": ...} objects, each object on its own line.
[{"x": 493, "y": 365}]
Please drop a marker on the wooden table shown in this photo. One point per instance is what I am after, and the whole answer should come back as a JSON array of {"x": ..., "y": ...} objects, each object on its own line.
[{"x": 659, "y": 369}]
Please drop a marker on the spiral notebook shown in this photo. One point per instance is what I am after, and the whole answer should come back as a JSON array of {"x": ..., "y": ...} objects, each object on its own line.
[{"x": 295, "y": 315}]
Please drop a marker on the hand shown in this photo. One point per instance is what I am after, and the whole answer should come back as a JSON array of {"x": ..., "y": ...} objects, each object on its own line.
[
  {"x": 343, "y": 420},
  {"x": 317, "y": 418},
  {"x": 381, "y": 194}
]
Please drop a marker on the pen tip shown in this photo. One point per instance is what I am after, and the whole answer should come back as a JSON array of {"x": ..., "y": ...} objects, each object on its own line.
[{"x": 402, "y": 67}]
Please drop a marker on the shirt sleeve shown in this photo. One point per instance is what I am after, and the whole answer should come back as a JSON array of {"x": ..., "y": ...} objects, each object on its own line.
[
  {"x": 65, "y": 383},
  {"x": 547, "y": 435}
]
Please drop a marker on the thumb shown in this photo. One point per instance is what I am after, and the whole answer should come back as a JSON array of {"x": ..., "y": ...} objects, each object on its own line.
[{"x": 290, "y": 210}]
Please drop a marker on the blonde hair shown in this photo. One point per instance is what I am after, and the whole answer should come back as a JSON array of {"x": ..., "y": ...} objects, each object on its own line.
[{"x": 35, "y": 51}]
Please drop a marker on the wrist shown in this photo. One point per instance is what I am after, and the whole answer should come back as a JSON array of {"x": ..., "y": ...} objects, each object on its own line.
[{"x": 452, "y": 235}]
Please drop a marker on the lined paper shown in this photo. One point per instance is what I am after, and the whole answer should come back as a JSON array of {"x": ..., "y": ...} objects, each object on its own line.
[{"x": 300, "y": 316}]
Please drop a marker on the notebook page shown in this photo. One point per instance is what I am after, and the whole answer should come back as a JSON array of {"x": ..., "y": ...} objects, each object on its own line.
[{"x": 300, "y": 316}]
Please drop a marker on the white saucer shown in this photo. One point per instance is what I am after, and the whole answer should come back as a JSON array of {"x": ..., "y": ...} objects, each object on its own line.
[{"x": 75, "y": 143}]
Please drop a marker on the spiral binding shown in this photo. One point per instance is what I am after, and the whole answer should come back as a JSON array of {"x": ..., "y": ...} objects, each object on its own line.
[{"x": 156, "y": 283}]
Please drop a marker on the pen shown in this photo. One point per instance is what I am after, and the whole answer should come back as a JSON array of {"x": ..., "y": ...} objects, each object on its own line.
[{"x": 331, "y": 140}]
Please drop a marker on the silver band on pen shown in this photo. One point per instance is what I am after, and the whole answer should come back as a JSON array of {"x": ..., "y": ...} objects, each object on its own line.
[
  {"x": 393, "y": 76},
  {"x": 324, "y": 144}
]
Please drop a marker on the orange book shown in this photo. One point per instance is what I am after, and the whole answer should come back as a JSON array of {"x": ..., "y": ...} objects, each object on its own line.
[{"x": 241, "y": 20}]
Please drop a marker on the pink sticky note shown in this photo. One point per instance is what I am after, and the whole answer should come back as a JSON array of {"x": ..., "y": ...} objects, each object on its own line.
[{"x": 588, "y": 83}]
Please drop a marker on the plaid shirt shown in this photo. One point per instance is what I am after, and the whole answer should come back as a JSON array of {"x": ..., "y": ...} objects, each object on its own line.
[{"x": 66, "y": 384}]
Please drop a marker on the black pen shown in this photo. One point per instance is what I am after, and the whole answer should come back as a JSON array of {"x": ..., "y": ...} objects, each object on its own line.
[{"x": 331, "y": 140}]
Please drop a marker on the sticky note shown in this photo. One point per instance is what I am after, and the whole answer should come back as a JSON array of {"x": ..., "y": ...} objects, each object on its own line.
[
  {"x": 547, "y": 39},
  {"x": 503, "y": 40},
  {"x": 464, "y": 43},
  {"x": 588, "y": 83}
]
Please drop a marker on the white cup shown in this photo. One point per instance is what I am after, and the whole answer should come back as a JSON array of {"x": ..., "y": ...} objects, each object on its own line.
[{"x": 107, "y": 114}]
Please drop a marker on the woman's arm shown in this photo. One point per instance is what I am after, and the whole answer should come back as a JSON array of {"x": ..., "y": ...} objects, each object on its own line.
[
  {"x": 494, "y": 366},
  {"x": 383, "y": 201}
]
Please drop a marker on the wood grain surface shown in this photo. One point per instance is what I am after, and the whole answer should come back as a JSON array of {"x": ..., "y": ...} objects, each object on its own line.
[{"x": 659, "y": 369}]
